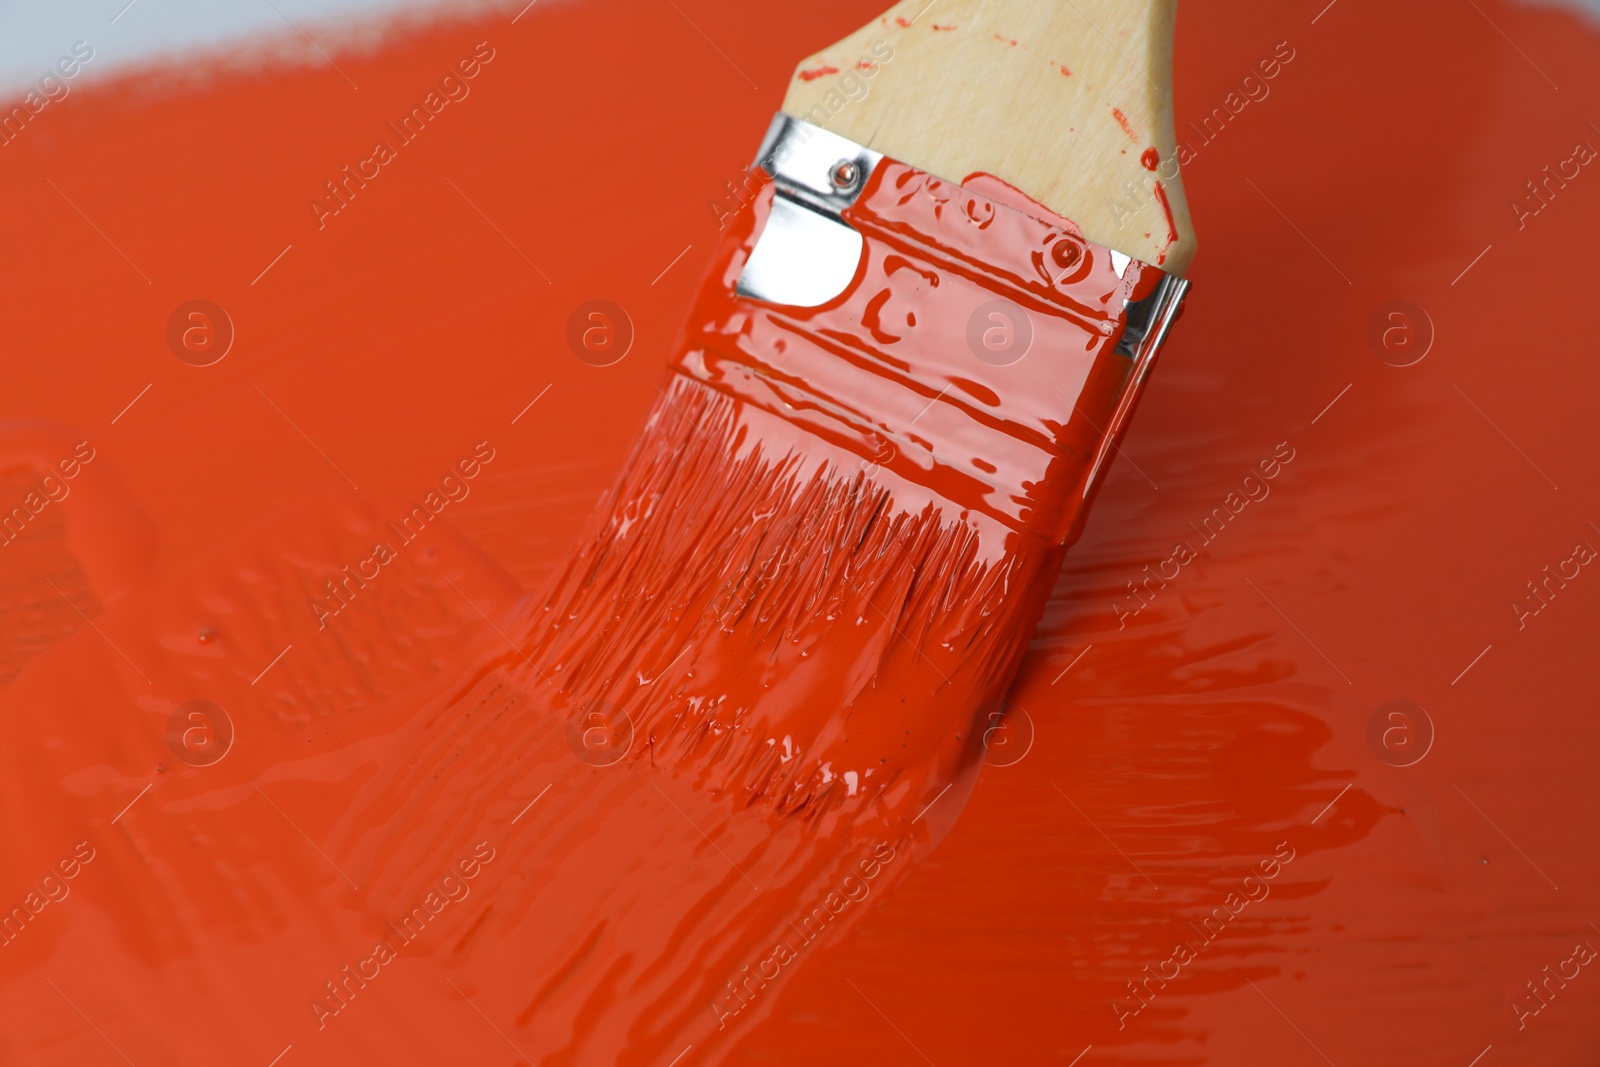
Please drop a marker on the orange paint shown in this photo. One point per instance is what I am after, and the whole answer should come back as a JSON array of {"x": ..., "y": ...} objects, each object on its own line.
[
  {"x": 1193, "y": 724},
  {"x": 1172, "y": 227},
  {"x": 815, "y": 73},
  {"x": 1122, "y": 120}
]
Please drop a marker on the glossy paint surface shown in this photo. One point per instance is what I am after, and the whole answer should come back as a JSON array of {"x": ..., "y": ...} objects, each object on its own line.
[{"x": 1191, "y": 730}]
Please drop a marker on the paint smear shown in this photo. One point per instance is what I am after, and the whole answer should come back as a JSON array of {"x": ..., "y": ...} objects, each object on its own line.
[{"x": 1122, "y": 120}]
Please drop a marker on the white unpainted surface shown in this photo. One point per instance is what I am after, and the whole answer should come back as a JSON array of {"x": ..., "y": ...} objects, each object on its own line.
[
  {"x": 35, "y": 33},
  {"x": 124, "y": 35}
]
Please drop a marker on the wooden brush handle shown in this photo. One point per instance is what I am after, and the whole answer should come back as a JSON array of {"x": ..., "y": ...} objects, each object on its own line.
[{"x": 1064, "y": 99}]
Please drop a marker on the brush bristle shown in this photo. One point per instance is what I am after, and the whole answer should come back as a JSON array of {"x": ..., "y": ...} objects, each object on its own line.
[
  {"x": 774, "y": 615},
  {"x": 824, "y": 558}
]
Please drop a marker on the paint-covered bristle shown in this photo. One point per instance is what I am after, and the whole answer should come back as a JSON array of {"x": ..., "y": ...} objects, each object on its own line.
[
  {"x": 769, "y": 607},
  {"x": 827, "y": 551}
]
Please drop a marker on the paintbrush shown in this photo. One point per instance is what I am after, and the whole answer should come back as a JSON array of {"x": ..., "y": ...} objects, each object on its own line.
[
  {"x": 794, "y": 617},
  {"x": 901, "y": 383}
]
